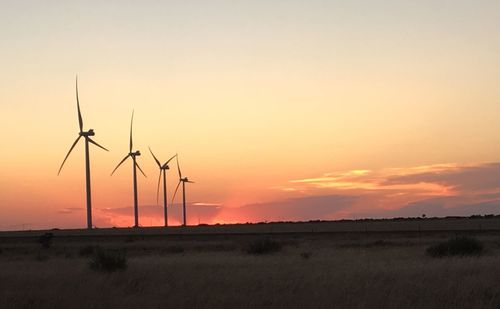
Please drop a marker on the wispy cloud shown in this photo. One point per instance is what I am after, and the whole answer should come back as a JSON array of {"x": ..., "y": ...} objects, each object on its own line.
[
  {"x": 69, "y": 210},
  {"x": 206, "y": 204}
]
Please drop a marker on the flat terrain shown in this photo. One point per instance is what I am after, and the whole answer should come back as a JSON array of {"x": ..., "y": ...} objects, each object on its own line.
[{"x": 373, "y": 264}]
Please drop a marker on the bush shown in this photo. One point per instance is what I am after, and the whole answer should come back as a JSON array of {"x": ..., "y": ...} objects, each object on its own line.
[
  {"x": 46, "y": 240},
  {"x": 306, "y": 255},
  {"x": 108, "y": 260},
  {"x": 87, "y": 250},
  {"x": 263, "y": 246},
  {"x": 458, "y": 246}
]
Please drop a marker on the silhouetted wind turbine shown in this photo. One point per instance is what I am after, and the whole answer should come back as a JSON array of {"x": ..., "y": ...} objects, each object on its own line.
[
  {"x": 86, "y": 135},
  {"x": 135, "y": 165},
  {"x": 163, "y": 170},
  {"x": 183, "y": 180}
]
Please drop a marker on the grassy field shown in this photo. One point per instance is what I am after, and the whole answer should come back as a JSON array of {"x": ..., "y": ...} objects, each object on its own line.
[{"x": 215, "y": 270}]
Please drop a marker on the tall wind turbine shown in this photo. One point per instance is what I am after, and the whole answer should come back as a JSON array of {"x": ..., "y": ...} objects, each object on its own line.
[
  {"x": 86, "y": 135},
  {"x": 135, "y": 166},
  {"x": 183, "y": 180},
  {"x": 163, "y": 170}
]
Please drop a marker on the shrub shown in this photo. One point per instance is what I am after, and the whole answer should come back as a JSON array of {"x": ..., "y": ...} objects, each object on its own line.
[
  {"x": 306, "y": 255},
  {"x": 87, "y": 250},
  {"x": 457, "y": 246},
  {"x": 263, "y": 246},
  {"x": 46, "y": 240},
  {"x": 108, "y": 260}
]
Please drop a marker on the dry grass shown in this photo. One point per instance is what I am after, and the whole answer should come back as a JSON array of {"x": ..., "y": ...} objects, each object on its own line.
[{"x": 341, "y": 272}]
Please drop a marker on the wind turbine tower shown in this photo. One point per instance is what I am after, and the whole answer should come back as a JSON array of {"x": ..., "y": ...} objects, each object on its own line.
[
  {"x": 86, "y": 135},
  {"x": 163, "y": 170},
  {"x": 183, "y": 181},
  {"x": 135, "y": 166}
]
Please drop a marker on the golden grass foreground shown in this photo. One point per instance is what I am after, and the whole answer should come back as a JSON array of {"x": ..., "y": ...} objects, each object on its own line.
[{"x": 309, "y": 270}]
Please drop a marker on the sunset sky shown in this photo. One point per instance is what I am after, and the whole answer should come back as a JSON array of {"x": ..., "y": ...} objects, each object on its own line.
[{"x": 279, "y": 110}]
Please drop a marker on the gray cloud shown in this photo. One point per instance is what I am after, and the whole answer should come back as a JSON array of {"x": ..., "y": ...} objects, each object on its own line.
[
  {"x": 295, "y": 209},
  {"x": 481, "y": 177}
]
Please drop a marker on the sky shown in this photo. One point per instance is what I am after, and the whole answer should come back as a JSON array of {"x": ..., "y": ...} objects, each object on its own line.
[{"x": 279, "y": 110}]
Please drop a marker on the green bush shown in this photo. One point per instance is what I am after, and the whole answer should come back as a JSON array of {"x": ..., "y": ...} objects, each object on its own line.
[
  {"x": 263, "y": 246},
  {"x": 106, "y": 260},
  {"x": 457, "y": 246}
]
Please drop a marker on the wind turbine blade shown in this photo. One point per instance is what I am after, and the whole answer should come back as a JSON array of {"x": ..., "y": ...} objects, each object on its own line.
[
  {"x": 157, "y": 162},
  {"x": 126, "y": 157},
  {"x": 166, "y": 163},
  {"x": 158, "y": 187},
  {"x": 175, "y": 192},
  {"x": 71, "y": 149},
  {"x": 140, "y": 169},
  {"x": 131, "y": 122},
  {"x": 179, "y": 168},
  {"x": 189, "y": 181},
  {"x": 80, "y": 120},
  {"x": 90, "y": 140}
]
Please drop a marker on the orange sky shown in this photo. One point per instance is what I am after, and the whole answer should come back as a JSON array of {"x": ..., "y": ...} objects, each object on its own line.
[{"x": 278, "y": 110}]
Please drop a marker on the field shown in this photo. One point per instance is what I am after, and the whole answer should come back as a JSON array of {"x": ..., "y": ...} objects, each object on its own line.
[{"x": 374, "y": 264}]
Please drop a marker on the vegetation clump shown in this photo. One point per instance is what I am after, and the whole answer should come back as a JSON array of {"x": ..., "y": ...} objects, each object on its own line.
[
  {"x": 46, "y": 240},
  {"x": 306, "y": 255},
  {"x": 457, "y": 246},
  {"x": 88, "y": 250},
  {"x": 263, "y": 246},
  {"x": 106, "y": 260}
]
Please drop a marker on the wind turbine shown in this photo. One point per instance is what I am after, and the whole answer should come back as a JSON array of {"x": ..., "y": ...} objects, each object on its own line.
[
  {"x": 183, "y": 180},
  {"x": 86, "y": 135},
  {"x": 163, "y": 170},
  {"x": 135, "y": 166}
]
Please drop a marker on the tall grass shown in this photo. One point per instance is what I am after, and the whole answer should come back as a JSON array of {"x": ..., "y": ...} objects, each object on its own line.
[
  {"x": 107, "y": 260},
  {"x": 334, "y": 277},
  {"x": 457, "y": 246},
  {"x": 263, "y": 246}
]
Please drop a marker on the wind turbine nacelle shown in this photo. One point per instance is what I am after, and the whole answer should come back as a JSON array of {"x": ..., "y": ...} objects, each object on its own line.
[
  {"x": 88, "y": 133},
  {"x": 137, "y": 153},
  {"x": 165, "y": 167}
]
